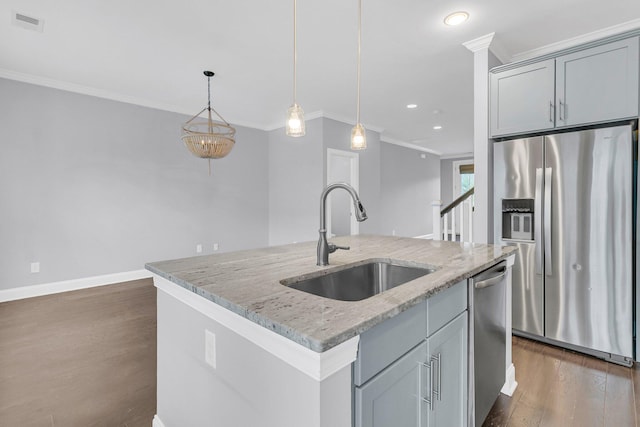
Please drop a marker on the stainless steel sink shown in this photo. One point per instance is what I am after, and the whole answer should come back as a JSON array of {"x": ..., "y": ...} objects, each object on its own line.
[{"x": 360, "y": 281}]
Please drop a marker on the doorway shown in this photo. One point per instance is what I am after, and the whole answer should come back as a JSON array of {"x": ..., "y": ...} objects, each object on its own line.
[
  {"x": 342, "y": 166},
  {"x": 463, "y": 177}
]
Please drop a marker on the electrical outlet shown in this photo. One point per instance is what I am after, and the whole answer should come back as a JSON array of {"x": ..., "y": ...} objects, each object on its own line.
[
  {"x": 393, "y": 232},
  {"x": 198, "y": 248},
  {"x": 215, "y": 246},
  {"x": 35, "y": 267},
  {"x": 210, "y": 348}
]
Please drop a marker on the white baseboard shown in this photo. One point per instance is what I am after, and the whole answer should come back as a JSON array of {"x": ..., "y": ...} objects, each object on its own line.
[
  {"x": 71, "y": 285},
  {"x": 424, "y": 236},
  {"x": 510, "y": 384},
  {"x": 157, "y": 422}
]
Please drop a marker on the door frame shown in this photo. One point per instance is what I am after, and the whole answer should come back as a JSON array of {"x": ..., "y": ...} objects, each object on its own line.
[
  {"x": 455, "y": 184},
  {"x": 354, "y": 181}
]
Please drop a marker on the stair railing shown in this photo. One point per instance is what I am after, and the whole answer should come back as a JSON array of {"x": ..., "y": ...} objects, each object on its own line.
[{"x": 449, "y": 224}]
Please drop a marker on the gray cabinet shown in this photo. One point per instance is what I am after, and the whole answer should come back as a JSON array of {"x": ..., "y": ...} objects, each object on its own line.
[
  {"x": 588, "y": 86},
  {"x": 521, "y": 99},
  {"x": 427, "y": 385},
  {"x": 598, "y": 84},
  {"x": 393, "y": 397},
  {"x": 447, "y": 351}
]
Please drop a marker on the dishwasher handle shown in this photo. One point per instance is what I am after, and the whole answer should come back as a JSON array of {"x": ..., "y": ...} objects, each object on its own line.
[{"x": 492, "y": 280}]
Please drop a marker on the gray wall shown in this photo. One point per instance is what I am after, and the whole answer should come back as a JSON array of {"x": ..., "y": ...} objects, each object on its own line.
[
  {"x": 297, "y": 175},
  {"x": 91, "y": 186},
  {"x": 337, "y": 135},
  {"x": 295, "y": 183},
  {"x": 446, "y": 179},
  {"x": 409, "y": 184}
]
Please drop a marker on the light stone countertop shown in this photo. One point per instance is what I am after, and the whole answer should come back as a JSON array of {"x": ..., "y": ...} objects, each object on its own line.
[{"x": 248, "y": 283}]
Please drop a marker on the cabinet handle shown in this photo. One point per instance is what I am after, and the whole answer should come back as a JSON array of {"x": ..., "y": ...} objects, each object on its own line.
[
  {"x": 428, "y": 400},
  {"x": 437, "y": 392},
  {"x": 561, "y": 111},
  {"x": 551, "y": 111},
  {"x": 433, "y": 391}
]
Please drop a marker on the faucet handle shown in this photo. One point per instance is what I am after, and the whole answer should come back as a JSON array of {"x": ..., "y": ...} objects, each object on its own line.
[{"x": 333, "y": 248}]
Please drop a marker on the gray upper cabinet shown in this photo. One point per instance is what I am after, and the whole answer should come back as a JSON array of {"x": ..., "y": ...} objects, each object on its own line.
[
  {"x": 521, "y": 99},
  {"x": 598, "y": 84},
  {"x": 588, "y": 86}
]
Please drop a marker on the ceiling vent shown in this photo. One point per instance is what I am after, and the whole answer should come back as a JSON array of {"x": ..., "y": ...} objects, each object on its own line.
[{"x": 27, "y": 22}]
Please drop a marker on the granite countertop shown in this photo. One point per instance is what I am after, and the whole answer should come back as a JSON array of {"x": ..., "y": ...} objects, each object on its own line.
[{"x": 248, "y": 283}]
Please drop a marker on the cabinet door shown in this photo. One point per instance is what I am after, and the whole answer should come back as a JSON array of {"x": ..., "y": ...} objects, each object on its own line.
[
  {"x": 394, "y": 396},
  {"x": 598, "y": 84},
  {"x": 447, "y": 348},
  {"x": 521, "y": 99}
]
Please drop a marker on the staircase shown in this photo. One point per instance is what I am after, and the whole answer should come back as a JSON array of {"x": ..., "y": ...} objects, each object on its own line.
[{"x": 455, "y": 221}]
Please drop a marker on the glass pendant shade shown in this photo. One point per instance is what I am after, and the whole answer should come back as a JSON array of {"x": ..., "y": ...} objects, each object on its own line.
[
  {"x": 358, "y": 137},
  {"x": 295, "y": 116},
  {"x": 295, "y": 121}
]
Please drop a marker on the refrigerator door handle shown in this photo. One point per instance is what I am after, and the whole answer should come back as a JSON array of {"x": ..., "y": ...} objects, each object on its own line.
[
  {"x": 537, "y": 221},
  {"x": 548, "y": 268}
]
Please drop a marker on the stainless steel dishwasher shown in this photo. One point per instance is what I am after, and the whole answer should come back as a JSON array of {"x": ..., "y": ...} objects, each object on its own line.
[{"x": 487, "y": 340}]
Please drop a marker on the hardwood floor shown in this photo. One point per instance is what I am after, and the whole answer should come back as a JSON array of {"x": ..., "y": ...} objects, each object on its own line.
[
  {"x": 80, "y": 358},
  {"x": 561, "y": 388},
  {"x": 87, "y": 358}
]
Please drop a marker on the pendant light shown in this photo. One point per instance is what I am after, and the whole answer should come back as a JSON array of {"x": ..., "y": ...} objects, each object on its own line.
[
  {"x": 295, "y": 116},
  {"x": 208, "y": 139},
  {"x": 358, "y": 134}
]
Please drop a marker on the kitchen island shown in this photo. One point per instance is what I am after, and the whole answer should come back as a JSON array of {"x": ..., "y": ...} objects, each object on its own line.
[{"x": 236, "y": 347}]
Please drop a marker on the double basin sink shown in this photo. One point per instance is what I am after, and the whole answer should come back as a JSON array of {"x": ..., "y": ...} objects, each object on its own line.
[{"x": 359, "y": 281}]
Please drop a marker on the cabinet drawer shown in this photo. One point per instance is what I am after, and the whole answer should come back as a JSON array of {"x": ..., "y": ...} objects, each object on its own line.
[
  {"x": 446, "y": 305},
  {"x": 389, "y": 340}
]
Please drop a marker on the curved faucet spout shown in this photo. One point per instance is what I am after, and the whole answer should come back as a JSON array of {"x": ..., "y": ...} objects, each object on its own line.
[{"x": 325, "y": 248}]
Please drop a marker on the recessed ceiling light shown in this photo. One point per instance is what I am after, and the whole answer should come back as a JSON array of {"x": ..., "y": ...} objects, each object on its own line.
[
  {"x": 437, "y": 127},
  {"x": 456, "y": 18},
  {"x": 412, "y": 106}
]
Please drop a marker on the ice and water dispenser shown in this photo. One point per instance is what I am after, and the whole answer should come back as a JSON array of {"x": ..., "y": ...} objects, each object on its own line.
[{"x": 517, "y": 219}]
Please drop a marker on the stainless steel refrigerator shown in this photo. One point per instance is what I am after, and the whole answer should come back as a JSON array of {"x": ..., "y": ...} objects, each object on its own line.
[{"x": 566, "y": 201}]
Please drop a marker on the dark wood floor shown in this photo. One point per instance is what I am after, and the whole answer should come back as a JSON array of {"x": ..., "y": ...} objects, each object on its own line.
[
  {"x": 561, "y": 388},
  {"x": 81, "y": 358}
]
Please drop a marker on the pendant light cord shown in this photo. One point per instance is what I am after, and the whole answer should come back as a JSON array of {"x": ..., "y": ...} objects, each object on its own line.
[
  {"x": 208, "y": 93},
  {"x": 359, "y": 47},
  {"x": 295, "y": 49}
]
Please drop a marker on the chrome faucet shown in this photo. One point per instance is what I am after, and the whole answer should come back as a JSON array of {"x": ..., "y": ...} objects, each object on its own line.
[{"x": 325, "y": 248}]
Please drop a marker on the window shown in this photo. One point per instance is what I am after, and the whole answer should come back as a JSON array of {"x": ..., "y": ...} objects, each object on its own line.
[{"x": 463, "y": 174}]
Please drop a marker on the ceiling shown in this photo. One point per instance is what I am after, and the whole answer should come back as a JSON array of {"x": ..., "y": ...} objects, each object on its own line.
[{"x": 153, "y": 53}]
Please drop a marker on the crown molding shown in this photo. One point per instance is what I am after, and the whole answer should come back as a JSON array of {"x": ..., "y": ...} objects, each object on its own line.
[
  {"x": 328, "y": 115},
  {"x": 480, "y": 43},
  {"x": 498, "y": 49},
  {"x": 409, "y": 145},
  {"x": 576, "y": 41},
  {"x": 349, "y": 121},
  {"x": 457, "y": 156},
  {"x": 105, "y": 94},
  {"x": 281, "y": 124}
]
